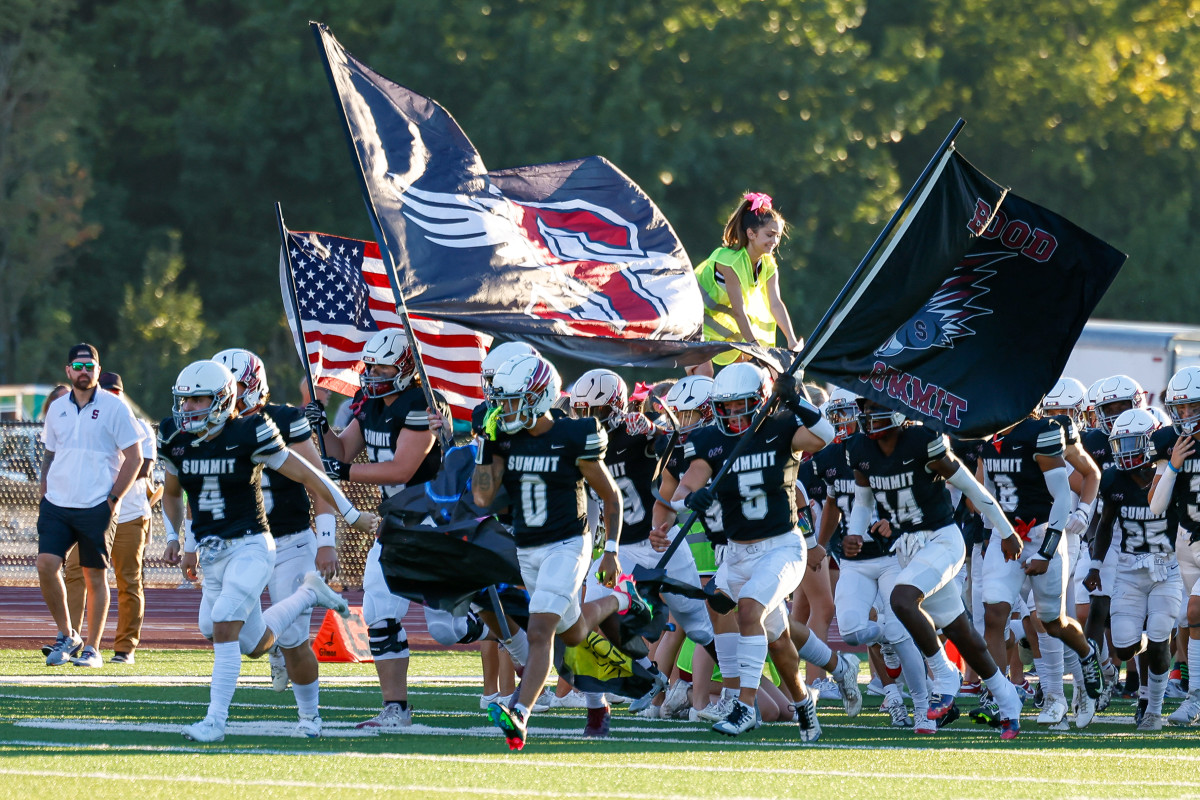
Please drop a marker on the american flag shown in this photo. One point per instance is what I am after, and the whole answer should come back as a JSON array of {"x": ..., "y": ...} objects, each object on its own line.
[{"x": 344, "y": 298}]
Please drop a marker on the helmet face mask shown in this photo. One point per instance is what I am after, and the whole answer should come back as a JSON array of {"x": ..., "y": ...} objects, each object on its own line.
[
  {"x": 841, "y": 409},
  {"x": 388, "y": 348},
  {"x": 1183, "y": 401},
  {"x": 690, "y": 399},
  {"x": 524, "y": 388},
  {"x": 601, "y": 393},
  {"x": 1115, "y": 395},
  {"x": 204, "y": 379},
  {"x": 1130, "y": 439},
  {"x": 738, "y": 392},
  {"x": 877, "y": 421}
]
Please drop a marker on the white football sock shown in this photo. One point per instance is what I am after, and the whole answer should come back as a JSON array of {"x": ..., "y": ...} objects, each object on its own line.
[
  {"x": 1052, "y": 660},
  {"x": 727, "y": 654},
  {"x": 307, "y": 695},
  {"x": 1005, "y": 695},
  {"x": 1157, "y": 690},
  {"x": 816, "y": 652},
  {"x": 518, "y": 647},
  {"x": 912, "y": 670},
  {"x": 280, "y": 616},
  {"x": 594, "y": 699},
  {"x": 1193, "y": 662},
  {"x": 752, "y": 655},
  {"x": 1072, "y": 664},
  {"x": 227, "y": 665},
  {"x": 946, "y": 678}
]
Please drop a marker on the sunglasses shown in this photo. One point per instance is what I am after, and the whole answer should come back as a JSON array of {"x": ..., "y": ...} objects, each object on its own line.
[{"x": 80, "y": 366}]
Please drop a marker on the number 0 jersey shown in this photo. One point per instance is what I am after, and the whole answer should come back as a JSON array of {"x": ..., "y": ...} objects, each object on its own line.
[
  {"x": 1009, "y": 462},
  {"x": 1142, "y": 531},
  {"x": 758, "y": 496},
  {"x": 907, "y": 493},
  {"x": 221, "y": 475},
  {"x": 381, "y": 425},
  {"x": 544, "y": 484},
  {"x": 286, "y": 500}
]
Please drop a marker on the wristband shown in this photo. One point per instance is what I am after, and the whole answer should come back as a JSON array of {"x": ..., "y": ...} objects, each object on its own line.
[
  {"x": 351, "y": 515},
  {"x": 1096, "y": 565},
  {"x": 189, "y": 538},
  {"x": 810, "y": 541},
  {"x": 112, "y": 498},
  {"x": 610, "y": 546},
  {"x": 1050, "y": 543},
  {"x": 1170, "y": 466},
  {"x": 326, "y": 528}
]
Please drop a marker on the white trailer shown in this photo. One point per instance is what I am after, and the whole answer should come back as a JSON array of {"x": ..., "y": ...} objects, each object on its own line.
[{"x": 1148, "y": 352}]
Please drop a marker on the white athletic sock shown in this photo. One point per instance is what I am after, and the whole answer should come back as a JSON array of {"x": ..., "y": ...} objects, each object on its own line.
[
  {"x": 752, "y": 655},
  {"x": 307, "y": 695},
  {"x": 1052, "y": 659},
  {"x": 594, "y": 699},
  {"x": 227, "y": 665},
  {"x": 1157, "y": 690},
  {"x": 645, "y": 663},
  {"x": 1193, "y": 662},
  {"x": 1072, "y": 664},
  {"x": 891, "y": 693},
  {"x": 1039, "y": 666},
  {"x": 727, "y": 654},
  {"x": 1005, "y": 694},
  {"x": 518, "y": 647},
  {"x": 912, "y": 670},
  {"x": 946, "y": 679},
  {"x": 281, "y": 615},
  {"x": 622, "y": 602},
  {"x": 816, "y": 652}
]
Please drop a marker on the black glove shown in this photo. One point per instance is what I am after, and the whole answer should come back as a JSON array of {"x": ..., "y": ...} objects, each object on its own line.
[
  {"x": 336, "y": 470},
  {"x": 700, "y": 500},
  {"x": 314, "y": 412},
  {"x": 791, "y": 395}
]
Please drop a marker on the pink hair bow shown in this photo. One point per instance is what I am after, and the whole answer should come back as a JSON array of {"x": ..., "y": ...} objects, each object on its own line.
[
  {"x": 640, "y": 391},
  {"x": 758, "y": 200}
]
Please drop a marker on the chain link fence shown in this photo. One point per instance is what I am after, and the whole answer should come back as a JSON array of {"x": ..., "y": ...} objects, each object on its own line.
[{"x": 21, "y": 453}]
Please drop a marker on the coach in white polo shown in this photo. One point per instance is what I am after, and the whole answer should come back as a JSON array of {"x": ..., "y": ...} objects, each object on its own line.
[{"x": 84, "y": 478}]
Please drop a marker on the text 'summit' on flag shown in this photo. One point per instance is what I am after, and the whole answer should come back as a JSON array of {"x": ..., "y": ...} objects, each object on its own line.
[{"x": 343, "y": 297}]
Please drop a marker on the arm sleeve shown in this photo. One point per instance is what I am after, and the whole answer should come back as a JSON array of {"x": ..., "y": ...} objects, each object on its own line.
[
  {"x": 982, "y": 500},
  {"x": 1060, "y": 489},
  {"x": 860, "y": 514},
  {"x": 1163, "y": 489}
]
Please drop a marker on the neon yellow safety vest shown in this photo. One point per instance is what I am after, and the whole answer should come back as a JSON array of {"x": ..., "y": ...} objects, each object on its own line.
[{"x": 719, "y": 324}]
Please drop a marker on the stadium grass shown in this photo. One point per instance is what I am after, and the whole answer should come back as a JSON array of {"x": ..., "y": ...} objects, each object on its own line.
[{"x": 114, "y": 733}]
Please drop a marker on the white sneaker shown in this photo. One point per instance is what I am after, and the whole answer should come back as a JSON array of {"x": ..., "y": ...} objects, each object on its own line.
[
  {"x": 1053, "y": 710},
  {"x": 651, "y": 712},
  {"x": 848, "y": 684},
  {"x": 88, "y": 658},
  {"x": 826, "y": 689},
  {"x": 392, "y": 717},
  {"x": 1151, "y": 722},
  {"x": 1085, "y": 708},
  {"x": 875, "y": 687},
  {"x": 572, "y": 699},
  {"x": 678, "y": 699},
  {"x": 544, "y": 702},
  {"x": 898, "y": 712},
  {"x": 718, "y": 710},
  {"x": 279, "y": 674},
  {"x": 741, "y": 718},
  {"x": 924, "y": 725},
  {"x": 806, "y": 714},
  {"x": 642, "y": 703},
  {"x": 486, "y": 700},
  {"x": 326, "y": 597},
  {"x": 64, "y": 649},
  {"x": 1188, "y": 711},
  {"x": 1174, "y": 690},
  {"x": 309, "y": 727},
  {"x": 206, "y": 730},
  {"x": 616, "y": 699}
]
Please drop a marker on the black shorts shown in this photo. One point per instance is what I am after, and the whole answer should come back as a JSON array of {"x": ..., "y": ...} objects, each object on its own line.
[{"x": 59, "y": 528}]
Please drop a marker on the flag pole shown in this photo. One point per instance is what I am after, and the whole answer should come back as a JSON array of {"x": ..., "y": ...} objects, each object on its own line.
[
  {"x": 302, "y": 346},
  {"x": 822, "y": 332}
]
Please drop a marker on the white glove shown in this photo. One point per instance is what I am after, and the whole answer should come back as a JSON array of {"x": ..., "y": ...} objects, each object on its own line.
[
  {"x": 1077, "y": 522},
  {"x": 1161, "y": 567},
  {"x": 909, "y": 545}
]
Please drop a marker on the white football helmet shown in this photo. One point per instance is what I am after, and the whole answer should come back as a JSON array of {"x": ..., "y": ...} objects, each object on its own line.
[
  {"x": 1114, "y": 395},
  {"x": 738, "y": 392},
  {"x": 1183, "y": 400},
  {"x": 876, "y": 419},
  {"x": 388, "y": 348},
  {"x": 497, "y": 356},
  {"x": 249, "y": 371},
  {"x": 601, "y": 393},
  {"x": 204, "y": 379},
  {"x": 1130, "y": 438},
  {"x": 841, "y": 409},
  {"x": 1067, "y": 397},
  {"x": 525, "y": 388},
  {"x": 691, "y": 396}
]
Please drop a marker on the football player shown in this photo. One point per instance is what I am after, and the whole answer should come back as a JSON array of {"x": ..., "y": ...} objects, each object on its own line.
[
  {"x": 544, "y": 463},
  {"x": 1148, "y": 587},
  {"x": 298, "y": 550},
  {"x": 901, "y": 471},
  {"x": 216, "y": 457},
  {"x": 765, "y": 557},
  {"x": 392, "y": 425}
]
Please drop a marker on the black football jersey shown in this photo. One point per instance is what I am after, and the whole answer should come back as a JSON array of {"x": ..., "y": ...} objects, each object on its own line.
[
  {"x": 544, "y": 484},
  {"x": 631, "y": 461},
  {"x": 838, "y": 477},
  {"x": 1095, "y": 442},
  {"x": 1185, "y": 496},
  {"x": 221, "y": 476},
  {"x": 286, "y": 501},
  {"x": 1008, "y": 461},
  {"x": 907, "y": 494},
  {"x": 758, "y": 496},
  {"x": 381, "y": 426},
  {"x": 1071, "y": 432},
  {"x": 1142, "y": 531},
  {"x": 713, "y": 521}
]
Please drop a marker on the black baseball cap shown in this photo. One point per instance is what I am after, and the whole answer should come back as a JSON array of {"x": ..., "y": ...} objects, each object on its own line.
[
  {"x": 84, "y": 350},
  {"x": 111, "y": 381}
]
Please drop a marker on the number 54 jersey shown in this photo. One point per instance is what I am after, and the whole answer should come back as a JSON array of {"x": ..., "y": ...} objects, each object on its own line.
[{"x": 907, "y": 494}]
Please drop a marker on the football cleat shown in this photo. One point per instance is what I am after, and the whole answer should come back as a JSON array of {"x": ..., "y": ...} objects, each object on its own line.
[
  {"x": 1010, "y": 729},
  {"x": 678, "y": 698},
  {"x": 925, "y": 727},
  {"x": 510, "y": 723},
  {"x": 1142, "y": 704},
  {"x": 309, "y": 727},
  {"x": 847, "y": 683},
  {"x": 597, "y": 723},
  {"x": 1084, "y": 707},
  {"x": 1053, "y": 710},
  {"x": 206, "y": 730},
  {"x": 972, "y": 688},
  {"x": 949, "y": 717},
  {"x": 1039, "y": 697},
  {"x": 1175, "y": 691},
  {"x": 719, "y": 710},
  {"x": 826, "y": 689},
  {"x": 660, "y": 684},
  {"x": 988, "y": 712},
  {"x": 639, "y": 608},
  {"x": 547, "y": 700},
  {"x": 806, "y": 716},
  {"x": 326, "y": 597},
  {"x": 1150, "y": 722},
  {"x": 392, "y": 717},
  {"x": 651, "y": 712},
  {"x": 572, "y": 699},
  {"x": 1093, "y": 677},
  {"x": 1188, "y": 711},
  {"x": 898, "y": 712},
  {"x": 279, "y": 674},
  {"x": 891, "y": 660},
  {"x": 940, "y": 705},
  {"x": 741, "y": 718}
]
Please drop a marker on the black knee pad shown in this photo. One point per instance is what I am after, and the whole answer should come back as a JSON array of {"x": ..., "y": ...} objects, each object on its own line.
[
  {"x": 475, "y": 629},
  {"x": 388, "y": 640}
]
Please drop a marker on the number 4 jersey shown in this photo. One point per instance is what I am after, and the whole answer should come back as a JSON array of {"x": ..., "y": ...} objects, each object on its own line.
[
  {"x": 221, "y": 475},
  {"x": 907, "y": 494}
]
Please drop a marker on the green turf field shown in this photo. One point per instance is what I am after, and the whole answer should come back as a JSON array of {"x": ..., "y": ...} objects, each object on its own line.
[{"x": 114, "y": 733}]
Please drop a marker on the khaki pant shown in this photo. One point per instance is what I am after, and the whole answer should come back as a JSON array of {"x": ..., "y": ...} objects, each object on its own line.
[{"x": 126, "y": 546}]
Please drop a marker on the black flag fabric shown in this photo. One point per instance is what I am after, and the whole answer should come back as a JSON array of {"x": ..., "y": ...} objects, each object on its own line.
[
  {"x": 572, "y": 257},
  {"x": 1002, "y": 289}
]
